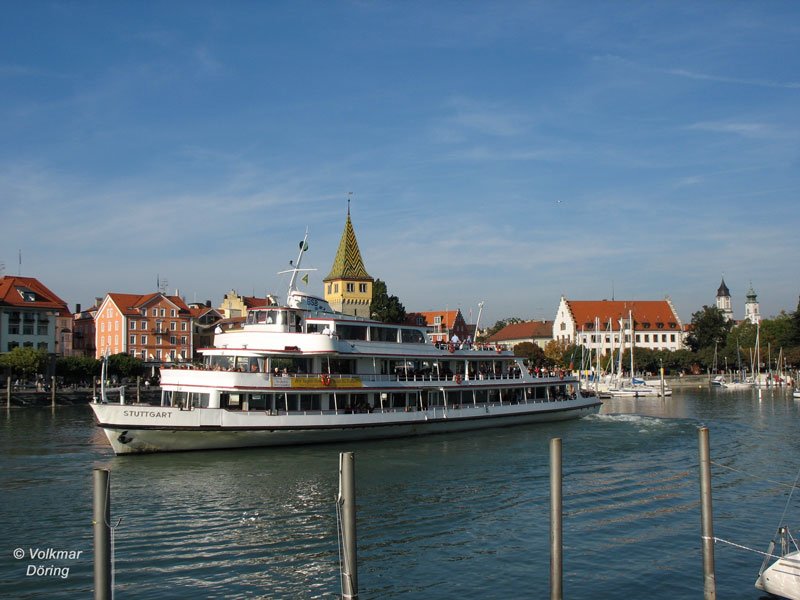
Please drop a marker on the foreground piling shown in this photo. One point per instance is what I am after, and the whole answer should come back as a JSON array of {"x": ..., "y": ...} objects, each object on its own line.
[
  {"x": 102, "y": 535},
  {"x": 347, "y": 502},
  {"x": 706, "y": 517},
  {"x": 556, "y": 568}
]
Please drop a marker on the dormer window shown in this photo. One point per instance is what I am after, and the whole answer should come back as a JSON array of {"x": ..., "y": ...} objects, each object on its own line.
[
  {"x": 645, "y": 325},
  {"x": 660, "y": 325}
]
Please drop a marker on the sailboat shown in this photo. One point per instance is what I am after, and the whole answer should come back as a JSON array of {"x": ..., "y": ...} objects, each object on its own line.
[
  {"x": 782, "y": 577},
  {"x": 637, "y": 388}
]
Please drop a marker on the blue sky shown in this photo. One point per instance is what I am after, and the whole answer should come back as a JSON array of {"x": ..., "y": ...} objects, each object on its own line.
[{"x": 509, "y": 152}]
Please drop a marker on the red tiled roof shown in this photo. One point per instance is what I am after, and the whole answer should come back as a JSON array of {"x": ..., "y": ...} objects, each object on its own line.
[
  {"x": 448, "y": 317},
  {"x": 649, "y": 312},
  {"x": 525, "y": 330},
  {"x": 29, "y": 292},
  {"x": 131, "y": 304}
]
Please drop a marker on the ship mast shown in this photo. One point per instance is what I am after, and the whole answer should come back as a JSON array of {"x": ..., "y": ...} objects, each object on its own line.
[{"x": 296, "y": 267}]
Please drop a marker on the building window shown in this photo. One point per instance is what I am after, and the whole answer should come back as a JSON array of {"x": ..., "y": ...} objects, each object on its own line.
[
  {"x": 42, "y": 346},
  {"x": 563, "y": 326},
  {"x": 172, "y": 313},
  {"x": 172, "y": 340},
  {"x": 647, "y": 337},
  {"x": 144, "y": 355},
  {"x": 183, "y": 326},
  {"x": 183, "y": 340},
  {"x": 350, "y": 287},
  {"x": 638, "y": 338},
  {"x": 172, "y": 325},
  {"x": 362, "y": 287},
  {"x": 155, "y": 312},
  {"x": 672, "y": 338},
  {"x": 158, "y": 354},
  {"x": 144, "y": 340},
  {"x": 163, "y": 312},
  {"x": 144, "y": 325},
  {"x": 133, "y": 339},
  {"x": 335, "y": 288},
  {"x": 133, "y": 325}
]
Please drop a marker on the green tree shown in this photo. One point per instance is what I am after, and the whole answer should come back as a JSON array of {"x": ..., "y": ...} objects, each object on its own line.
[
  {"x": 124, "y": 365},
  {"x": 386, "y": 308},
  {"x": 533, "y": 354},
  {"x": 561, "y": 353},
  {"x": 709, "y": 328},
  {"x": 25, "y": 362},
  {"x": 77, "y": 369}
]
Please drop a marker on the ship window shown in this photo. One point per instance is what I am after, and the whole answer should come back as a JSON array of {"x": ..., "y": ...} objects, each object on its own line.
[
  {"x": 383, "y": 334},
  {"x": 351, "y": 332},
  {"x": 412, "y": 336}
]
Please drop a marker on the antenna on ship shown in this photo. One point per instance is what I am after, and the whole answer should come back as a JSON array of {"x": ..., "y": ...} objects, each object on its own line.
[{"x": 296, "y": 266}]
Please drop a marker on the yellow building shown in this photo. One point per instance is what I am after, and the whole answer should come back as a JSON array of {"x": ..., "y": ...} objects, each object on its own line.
[{"x": 348, "y": 287}]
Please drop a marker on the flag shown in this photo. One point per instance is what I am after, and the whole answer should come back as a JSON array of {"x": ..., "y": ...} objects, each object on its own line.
[{"x": 305, "y": 278}]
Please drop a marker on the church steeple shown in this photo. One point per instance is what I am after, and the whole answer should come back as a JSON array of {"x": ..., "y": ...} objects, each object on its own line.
[
  {"x": 348, "y": 287},
  {"x": 724, "y": 300},
  {"x": 751, "y": 311}
]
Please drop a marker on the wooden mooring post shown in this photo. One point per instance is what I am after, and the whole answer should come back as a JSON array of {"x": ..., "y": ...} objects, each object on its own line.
[
  {"x": 706, "y": 517},
  {"x": 347, "y": 507},
  {"x": 556, "y": 564},
  {"x": 8, "y": 392},
  {"x": 53, "y": 391},
  {"x": 102, "y": 535}
]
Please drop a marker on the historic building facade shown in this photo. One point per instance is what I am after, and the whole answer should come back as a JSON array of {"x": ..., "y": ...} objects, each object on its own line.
[
  {"x": 153, "y": 327},
  {"x": 605, "y": 324},
  {"x": 32, "y": 316}
]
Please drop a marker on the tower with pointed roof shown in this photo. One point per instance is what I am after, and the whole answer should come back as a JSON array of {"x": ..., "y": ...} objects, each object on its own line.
[
  {"x": 724, "y": 300},
  {"x": 348, "y": 287},
  {"x": 751, "y": 312}
]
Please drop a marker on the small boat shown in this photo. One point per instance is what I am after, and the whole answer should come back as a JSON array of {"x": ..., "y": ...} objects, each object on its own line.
[
  {"x": 780, "y": 573},
  {"x": 302, "y": 373}
]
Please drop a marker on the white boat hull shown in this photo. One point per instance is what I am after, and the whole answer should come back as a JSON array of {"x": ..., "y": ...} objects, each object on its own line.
[
  {"x": 136, "y": 429},
  {"x": 782, "y": 578}
]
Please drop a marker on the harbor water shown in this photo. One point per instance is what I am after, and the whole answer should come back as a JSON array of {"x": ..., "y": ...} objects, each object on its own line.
[{"x": 442, "y": 517}]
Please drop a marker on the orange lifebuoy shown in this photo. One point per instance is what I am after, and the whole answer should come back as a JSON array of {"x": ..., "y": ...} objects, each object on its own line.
[
  {"x": 458, "y": 378},
  {"x": 326, "y": 380}
]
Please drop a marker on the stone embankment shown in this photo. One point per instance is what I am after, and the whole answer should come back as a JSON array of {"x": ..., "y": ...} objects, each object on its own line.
[{"x": 70, "y": 397}]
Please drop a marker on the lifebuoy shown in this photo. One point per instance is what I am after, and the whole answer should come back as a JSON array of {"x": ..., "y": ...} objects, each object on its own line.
[
  {"x": 326, "y": 380},
  {"x": 458, "y": 378}
]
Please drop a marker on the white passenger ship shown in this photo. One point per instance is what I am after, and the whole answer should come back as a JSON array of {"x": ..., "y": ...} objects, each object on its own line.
[{"x": 303, "y": 373}]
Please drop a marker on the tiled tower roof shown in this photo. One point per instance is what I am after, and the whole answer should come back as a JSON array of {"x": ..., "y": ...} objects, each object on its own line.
[{"x": 348, "y": 263}]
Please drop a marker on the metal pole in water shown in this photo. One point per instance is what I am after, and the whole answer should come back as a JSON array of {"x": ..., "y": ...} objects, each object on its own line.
[
  {"x": 8, "y": 392},
  {"x": 706, "y": 517},
  {"x": 53, "y": 390},
  {"x": 347, "y": 502},
  {"x": 102, "y": 535},
  {"x": 556, "y": 570},
  {"x": 138, "y": 389}
]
